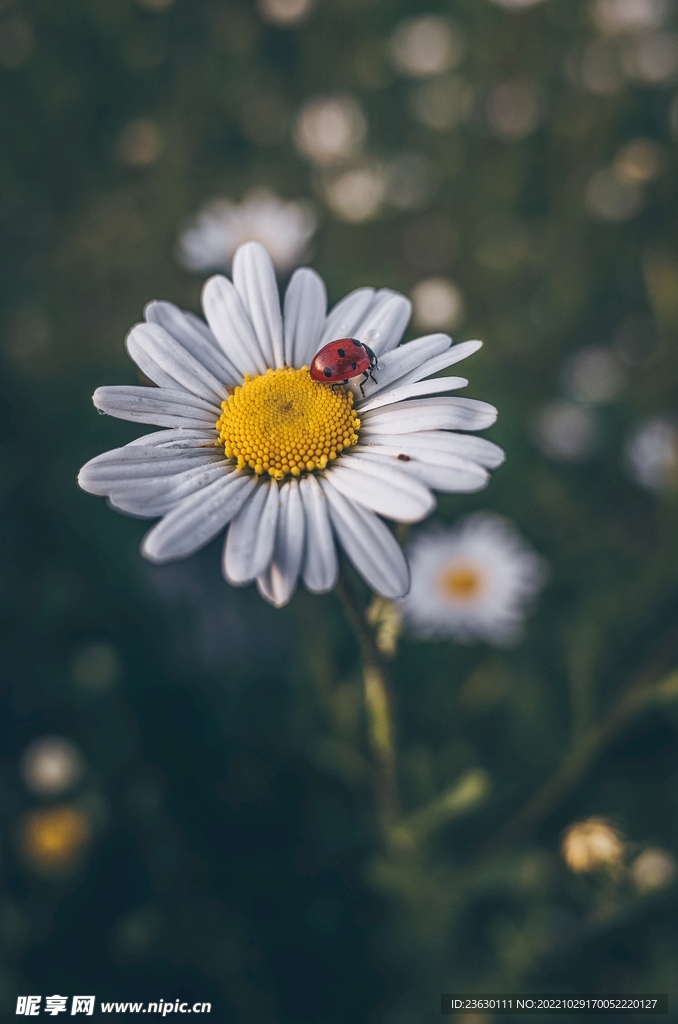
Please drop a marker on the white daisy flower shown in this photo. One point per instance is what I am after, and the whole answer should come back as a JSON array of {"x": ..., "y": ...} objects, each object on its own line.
[
  {"x": 651, "y": 454},
  {"x": 290, "y": 465},
  {"x": 284, "y": 228},
  {"x": 472, "y": 581}
]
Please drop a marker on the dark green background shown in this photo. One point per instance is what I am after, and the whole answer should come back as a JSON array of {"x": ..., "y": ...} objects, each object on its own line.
[{"x": 234, "y": 841}]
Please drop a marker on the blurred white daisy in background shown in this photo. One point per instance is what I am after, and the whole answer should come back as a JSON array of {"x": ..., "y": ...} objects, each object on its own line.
[
  {"x": 616, "y": 17},
  {"x": 653, "y": 58},
  {"x": 285, "y": 13},
  {"x": 512, "y": 109},
  {"x": 516, "y": 5},
  {"x": 438, "y": 303},
  {"x": 431, "y": 45},
  {"x": 358, "y": 193},
  {"x": 51, "y": 765},
  {"x": 155, "y": 5},
  {"x": 632, "y": 44},
  {"x": 565, "y": 431},
  {"x": 596, "y": 67},
  {"x": 654, "y": 868},
  {"x": 471, "y": 581},
  {"x": 639, "y": 161},
  {"x": 355, "y": 194},
  {"x": 330, "y": 129},
  {"x": 610, "y": 196},
  {"x": 290, "y": 465},
  {"x": 651, "y": 454},
  {"x": 595, "y": 375},
  {"x": 209, "y": 241}
]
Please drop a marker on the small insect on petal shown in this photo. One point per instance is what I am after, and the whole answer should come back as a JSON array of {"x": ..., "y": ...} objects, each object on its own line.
[{"x": 340, "y": 360}]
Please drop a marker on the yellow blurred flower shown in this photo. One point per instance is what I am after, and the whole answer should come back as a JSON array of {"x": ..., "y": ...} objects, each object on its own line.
[
  {"x": 54, "y": 839},
  {"x": 591, "y": 845}
]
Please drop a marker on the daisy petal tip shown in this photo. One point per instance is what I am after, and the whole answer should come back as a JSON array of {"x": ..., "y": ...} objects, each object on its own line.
[
  {"x": 82, "y": 481},
  {"x": 396, "y": 593},
  {"x": 270, "y": 598},
  {"x": 252, "y": 247},
  {"x": 464, "y": 349},
  {"x": 214, "y": 282},
  {"x": 97, "y": 401},
  {"x": 424, "y": 515},
  {"x": 480, "y": 486},
  {"x": 146, "y": 551},
  {"x": 319, "y": 591},
  {"x": 132, "y": 337},
  {"x": 253, "y": 252},
  {"x": 235, "y": 583}
]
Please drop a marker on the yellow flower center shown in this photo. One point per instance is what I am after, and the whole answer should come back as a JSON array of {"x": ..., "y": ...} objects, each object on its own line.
[
  {"x": 460, "y": 583},
  {"x": 282, "y": 423}
]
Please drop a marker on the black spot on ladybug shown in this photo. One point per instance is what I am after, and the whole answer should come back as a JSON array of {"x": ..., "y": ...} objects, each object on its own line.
[
  {"x": 341, "y": 353},
  {"x": 403, "y": 457},
  {"x": 354, "y": 366},
  {"x": 327, "y": 371}
]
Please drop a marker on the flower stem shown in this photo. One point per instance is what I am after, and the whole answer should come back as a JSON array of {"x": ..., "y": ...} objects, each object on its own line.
[{"x": 378, "y": 708}]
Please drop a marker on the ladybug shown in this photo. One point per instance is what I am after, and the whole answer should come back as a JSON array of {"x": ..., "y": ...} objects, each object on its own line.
[{"x": 343, "y": 359}]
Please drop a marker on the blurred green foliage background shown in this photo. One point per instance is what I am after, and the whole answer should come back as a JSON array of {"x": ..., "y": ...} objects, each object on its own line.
[{"x": 232, "y": 854}]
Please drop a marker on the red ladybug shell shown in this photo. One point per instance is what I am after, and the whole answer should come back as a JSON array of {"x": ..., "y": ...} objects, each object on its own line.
[{"x": 337, "y": 362}]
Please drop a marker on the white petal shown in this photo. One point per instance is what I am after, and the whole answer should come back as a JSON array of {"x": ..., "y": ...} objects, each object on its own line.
[
  {"x": 180, "y": 437},
  {"x": 431, "y": 444},
  {"x": 384, "y": 489},
  {"x": 278, "y": 583},
  {"x": 198, "y": 518},
  {"x": 153, "y": 370},
  {"x": 423, "y": 387},
  {"x": 369, "y": 544},
  {"x": 343, "y": 319},
  {"x": 251, "y": 536},
  {"x": 231, "y": 326},
  {"x": 156, "y": 497},
  {"x": 385, "y": 321},
  {"x": 448, "y": 473},
  {"x": 254, "y": 277},
  {"x": 447, "y": 480},
  {"x": 195, "y": 336},
  {"x": 441, "y": 362},
  {"x": 305, "y": 309},
  {"x": 430, "y": 414},
  {"x": 119, "y": 465},
  {"x": 396, "y": 365},
  {"x": 159, "y": 406},
  {"x": 320, "y": 565},
  {"x": 170, "y": 365}
]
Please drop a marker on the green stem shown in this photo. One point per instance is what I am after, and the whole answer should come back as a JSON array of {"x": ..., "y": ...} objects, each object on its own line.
[{"x": 378, "y": 708}]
